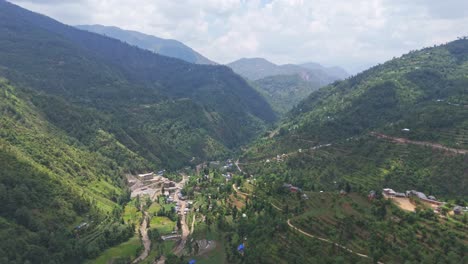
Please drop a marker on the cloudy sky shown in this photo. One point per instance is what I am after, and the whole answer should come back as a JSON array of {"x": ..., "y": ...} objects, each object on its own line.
[{"x": 354, "y": 34}]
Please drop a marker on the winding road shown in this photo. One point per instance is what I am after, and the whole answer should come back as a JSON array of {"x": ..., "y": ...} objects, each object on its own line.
[
  {"x": 328, "y": 241},
  {"x": 420, "y": 143}
]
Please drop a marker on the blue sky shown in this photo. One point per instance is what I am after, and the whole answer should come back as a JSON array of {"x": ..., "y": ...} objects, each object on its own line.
[{"x": 354, "y": 34}]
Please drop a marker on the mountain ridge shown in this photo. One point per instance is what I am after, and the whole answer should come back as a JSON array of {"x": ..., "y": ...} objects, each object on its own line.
[
  {"x": 167, "y": 47},
  {"x": 259, "y": 68}
]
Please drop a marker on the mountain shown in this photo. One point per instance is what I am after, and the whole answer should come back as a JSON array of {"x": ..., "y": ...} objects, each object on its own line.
[
  {"x": 259, "y": 68},
  {"x": 285, "y": 91},
  {"x": 167, "y": 47},
  {"x": 50, "y": 183},
  {"x": 401, "y": 124},
  {"x": 284, "y": 85},
  {"x": 336, "y": 71},
  {"x": 163, "y": 108},
  {"x": 80, "y": 111}
]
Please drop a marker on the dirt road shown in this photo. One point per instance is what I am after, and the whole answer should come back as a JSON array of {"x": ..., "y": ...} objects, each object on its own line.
[
  {"x": 237, "y": 165},
  {"x": 185, "y": 229},
  {"x": 145, "y": 239},
  {"x": 420, "y": 143},
  {"x": 328, "y": 241},
  {"x": 239, "y": 192}
]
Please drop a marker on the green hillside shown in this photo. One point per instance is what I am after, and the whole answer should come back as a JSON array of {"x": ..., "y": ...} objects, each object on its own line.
[
  {"x": 162, "y": 108},
  {"x": 283, "y": 92},
  {"x": 79, "y": 111},
  {"x": 421, "y": 96},
  {"x": 50, "y": 183}
]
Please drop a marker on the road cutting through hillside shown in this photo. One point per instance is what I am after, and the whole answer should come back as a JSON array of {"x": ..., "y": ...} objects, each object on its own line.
[
  {"x": 310, "y": 235},
  {"x": 399, "y": 140},
  {"x": 329, "y": 241}
]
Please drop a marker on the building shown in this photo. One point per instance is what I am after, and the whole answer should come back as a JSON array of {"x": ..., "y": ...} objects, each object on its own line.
[
  {"x": 295, "y": 189},
  {"x": 457, "y": 210},
  {"x": 389, "y": 192},
  {"x": 431, "y": 199},
  {"x": 420, "y": 195},
  {"x": 146, "y": 176}
]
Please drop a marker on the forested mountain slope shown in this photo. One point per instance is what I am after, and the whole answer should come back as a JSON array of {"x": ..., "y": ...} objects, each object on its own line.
[
  {"x": 79, "y": 111},
  {"x": 166, "y": 47},
  {"x": 162, "y": 108},
  {"x": 50, "y": 183},
  {"x": 285, "y": 91},
  {"x": 422, "y": 96},
  {"x": 284, "y": 85}
]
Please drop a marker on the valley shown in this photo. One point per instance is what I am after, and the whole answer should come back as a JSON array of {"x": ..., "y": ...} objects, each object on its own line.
[{"x": 120, "y": 147}]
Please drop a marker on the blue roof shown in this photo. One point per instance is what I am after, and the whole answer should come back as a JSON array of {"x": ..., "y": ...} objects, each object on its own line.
[
  {"x": 192, "y": 261},
  {"x": 240, "y": 247}
]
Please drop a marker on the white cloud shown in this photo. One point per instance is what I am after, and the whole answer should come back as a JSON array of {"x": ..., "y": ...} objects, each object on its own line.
[{"x": 354, "y": 34}]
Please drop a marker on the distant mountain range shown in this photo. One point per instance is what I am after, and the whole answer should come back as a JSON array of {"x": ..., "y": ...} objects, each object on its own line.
[
  {"x": 259, "y": 68},
  {"x": 334, "y": 71},
  {"x": 167, "y": 47},
  {"x": 286, "y": 85}
]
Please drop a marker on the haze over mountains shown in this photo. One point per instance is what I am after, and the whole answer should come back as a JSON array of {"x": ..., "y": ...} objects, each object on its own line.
[
  {"x": 166, "y": 47},
  {"x": 282, "y": 85},
  {"x": 259, "y": 68},
  {"x": 286, "y": 85}
]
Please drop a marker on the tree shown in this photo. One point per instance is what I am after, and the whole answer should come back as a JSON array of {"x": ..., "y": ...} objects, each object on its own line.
[
  {"x": 179, "y": 223},
  {"x": 347, "y": 187}
]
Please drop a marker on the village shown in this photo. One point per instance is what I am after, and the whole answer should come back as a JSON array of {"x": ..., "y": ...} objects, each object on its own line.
[{"x": 407, "y": 201}]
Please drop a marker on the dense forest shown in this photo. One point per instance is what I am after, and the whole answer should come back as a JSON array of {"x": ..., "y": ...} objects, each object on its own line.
[{"x": 284, "y": 92}]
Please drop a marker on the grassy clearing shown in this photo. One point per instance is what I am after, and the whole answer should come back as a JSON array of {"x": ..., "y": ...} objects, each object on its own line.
[
  {"x": 167, "y": 246},
  {"x": 131, "y": 214},
  {"x": 154, "y": 208},
  {"x": 216, "y": 256},
  {"x": 126, "y": 250},
  {"x": 163, "y": 224}
]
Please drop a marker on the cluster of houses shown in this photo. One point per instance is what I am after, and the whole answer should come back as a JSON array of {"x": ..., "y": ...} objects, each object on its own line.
[
  {"x": 227, "y": 176},
  {"x": 226, "y": 165},
  {"x": 150, "y": 176},
  {"x": 146, "y": 176},
  {"x": 412, "y": 193},
  {"x": 430, "y": 199}
]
